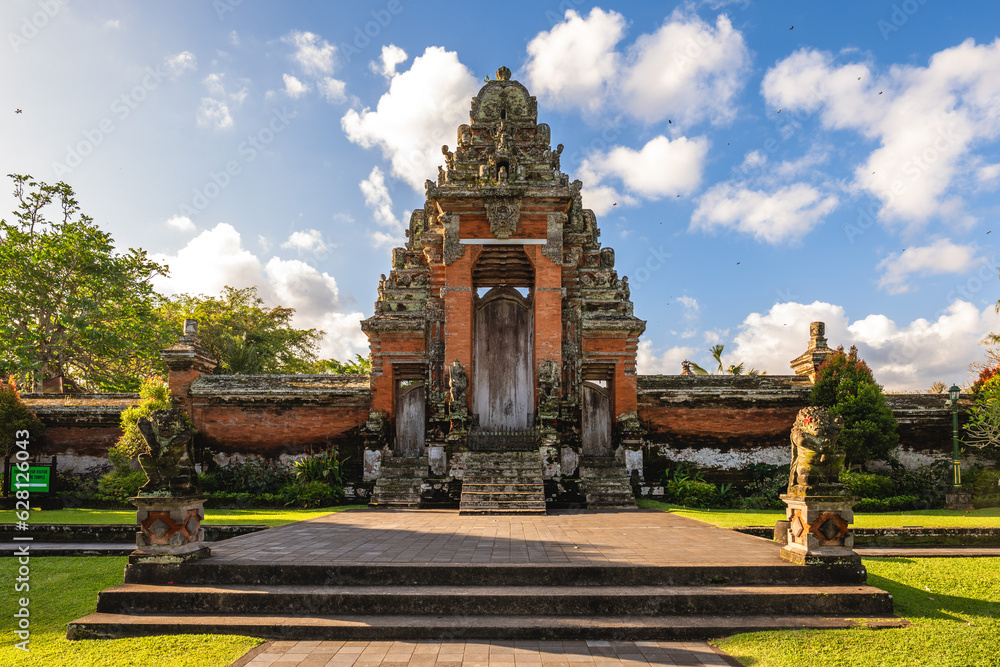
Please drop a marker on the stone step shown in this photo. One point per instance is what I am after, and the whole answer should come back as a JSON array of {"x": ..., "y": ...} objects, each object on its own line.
[
  {"x": 480, "y": 487},
  {"x": 207, "y": 572},
  {"x": 451, "y": 627},
  {"x": 399, "y": 482},
  {"x": 141, "y": 599}
]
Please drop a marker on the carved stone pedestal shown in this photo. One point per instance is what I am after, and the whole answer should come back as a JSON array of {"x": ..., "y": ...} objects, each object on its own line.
[
  {"x": 169, "y": 529},
  {"x": 961, "y": 500},
  {"x": 819, "y": 531}
]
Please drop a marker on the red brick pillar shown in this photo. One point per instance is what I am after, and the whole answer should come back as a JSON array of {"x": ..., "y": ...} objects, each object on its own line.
[
  {"x": 459, "y": 313},
  {"x": 186, "y": 360}
]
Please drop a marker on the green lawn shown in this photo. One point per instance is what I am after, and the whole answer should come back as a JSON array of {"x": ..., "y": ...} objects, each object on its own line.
[
  {"x": 953, "y": 605},
  {"x": 263, "y": 517},
  {"x": 983, "y": 518},
  {"x": 64, "y": 589}
]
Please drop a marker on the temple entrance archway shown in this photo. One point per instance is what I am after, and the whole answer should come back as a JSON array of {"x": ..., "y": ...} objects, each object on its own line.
[{"x": 503, "y": 379}]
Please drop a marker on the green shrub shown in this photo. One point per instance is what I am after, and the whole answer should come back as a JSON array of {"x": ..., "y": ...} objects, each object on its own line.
[
  {"x": 252, "y": 475},
  {"x": 767, "y": 484},
  {"x": 929, "y": 483},
  {"x": 845, "y": 385},
  {"x": 986, "y": 488},
  {"x": 121, "y": 483},
  {"x": 323, "y": 467},
  {"x": 867, "y": 485},
  {"x": 154, "y": 394},
  {"x": 890, "y": 504},
  {"x": 690, "y": 492},
  {"x": 15, "y": 416},
  {"x": 310, "y": 494}
]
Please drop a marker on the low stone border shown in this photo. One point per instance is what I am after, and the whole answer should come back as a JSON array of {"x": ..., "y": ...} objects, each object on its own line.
[
  {"x": 907, "y": 536},
  {"x": 96, "y": 533}
]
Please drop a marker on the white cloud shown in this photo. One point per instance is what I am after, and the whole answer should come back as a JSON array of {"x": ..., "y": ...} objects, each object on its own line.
[
  {"x": 691, "y": 307},
  {"x": 420, "y": 112},
  {"x": 214, "y": 83},
  {"x": 380, "y": 202},
  {"x": 909, "y": 357},
  {"x": 928, "y": 120},
  {"x": 660, "y": 168},
  {"x": 787, "y": 214},
  {"x": 940, "y": 257},
  {"x": 309, "y": 240},
  {"x": 114, "y": 24},
  {"x": 313, "y": 54},
  {"x": 649, "y": 361},
  {"x": 293, "y": 87},
  {"x": 214, "y": 113},
  {"x": 685, "y": 71},
  {"x": 332, "y": 90},
  {"x": 179, "y": 63},
  {"x": 234, "y": 38},
  {"x": 573, "y": 63},
  {"x": 216, "y": 258},
  {"x": 181, "y": 223},
  {"x": 392, "y": 56}
]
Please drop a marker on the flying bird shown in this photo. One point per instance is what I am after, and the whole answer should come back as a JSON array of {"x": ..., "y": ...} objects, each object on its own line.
[
  {"x": 792, "y": 28},
  {"x": 17, "y": 111},
  {"x": 670, "y": 121}
]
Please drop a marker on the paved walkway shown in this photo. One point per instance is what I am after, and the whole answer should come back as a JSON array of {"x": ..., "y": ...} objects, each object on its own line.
[
  {"x": 636, "y": 538},
  {"x": 473, "y": 654}
]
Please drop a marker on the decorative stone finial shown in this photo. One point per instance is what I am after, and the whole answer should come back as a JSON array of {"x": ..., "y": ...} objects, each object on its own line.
[
  {"x": 503, "y": 74},
  {"x": 809, "y": 361},
  {"x": 191, "y": 328}
]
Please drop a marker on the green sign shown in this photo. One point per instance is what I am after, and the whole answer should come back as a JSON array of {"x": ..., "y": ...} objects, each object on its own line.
[{"x": 38, "y": 479}]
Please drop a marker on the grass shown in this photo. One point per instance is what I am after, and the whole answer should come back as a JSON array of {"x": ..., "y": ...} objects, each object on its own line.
[
  {"x": 266, "y": 517},
  {"x": 953, "y": 605},
  {"x": 982, "y": 518},
  {"x": 64, "y": 589}
]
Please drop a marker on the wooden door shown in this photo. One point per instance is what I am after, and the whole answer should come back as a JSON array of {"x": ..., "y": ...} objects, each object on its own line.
[
  {"x": 410, "y": 421},
  {"x": 503, "y": 386},
  {"x": 595, "y": 427}
]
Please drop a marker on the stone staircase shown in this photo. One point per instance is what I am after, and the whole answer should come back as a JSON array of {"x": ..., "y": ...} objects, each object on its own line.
[
  {"x": 605, "y": 483},
  {"x": 503, "y": 483},
  {"x": 399, "y": 482},
  {"x": 448, "y": 601}
]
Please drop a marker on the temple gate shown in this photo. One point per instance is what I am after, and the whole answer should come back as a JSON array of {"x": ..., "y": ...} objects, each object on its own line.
[{"x": 502, "y": 311}]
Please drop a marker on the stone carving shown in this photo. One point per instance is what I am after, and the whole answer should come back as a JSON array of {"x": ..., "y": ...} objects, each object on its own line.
[
  {"x": 816, "y": 458},
  {"x": 548, "y": 389},
  {"x": 452, "y": 249},
  {"x": 458, "y": 382},
  {"x": 553, "y": 248},
  {"x": 169, "y": 458},
  {"x": 503, "y": 211}
]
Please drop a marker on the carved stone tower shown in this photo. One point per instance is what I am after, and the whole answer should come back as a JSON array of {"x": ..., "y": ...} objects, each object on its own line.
[{"x": 503, "y": 311}]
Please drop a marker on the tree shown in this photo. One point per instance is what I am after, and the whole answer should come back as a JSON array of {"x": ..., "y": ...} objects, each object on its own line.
[
  {"x": 243, "y": 334},
  {"x": 359, "y": 366},
  {"x": 733, "y": 369},
  {"x": 15, "y": 416},
  {"x": 845, "y": 385},
  {"x": 70, "y": 305}
]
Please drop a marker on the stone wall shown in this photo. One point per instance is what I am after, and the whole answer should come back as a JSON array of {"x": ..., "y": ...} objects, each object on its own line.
[
  {"x": 720, "y": 423},
  {"x": 275, "y": 415},
  {"x": 723, "y": 423},
  {"x": 80, "y": 428}
]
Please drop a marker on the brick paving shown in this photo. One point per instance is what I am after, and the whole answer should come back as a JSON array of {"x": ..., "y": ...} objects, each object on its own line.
[
  {"x": 638, "y": 537},
  {"x": 482, "y": 653}
]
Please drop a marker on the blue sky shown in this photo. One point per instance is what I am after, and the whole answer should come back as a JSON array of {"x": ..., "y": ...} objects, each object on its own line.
[{"x": 756, "y": 166}]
